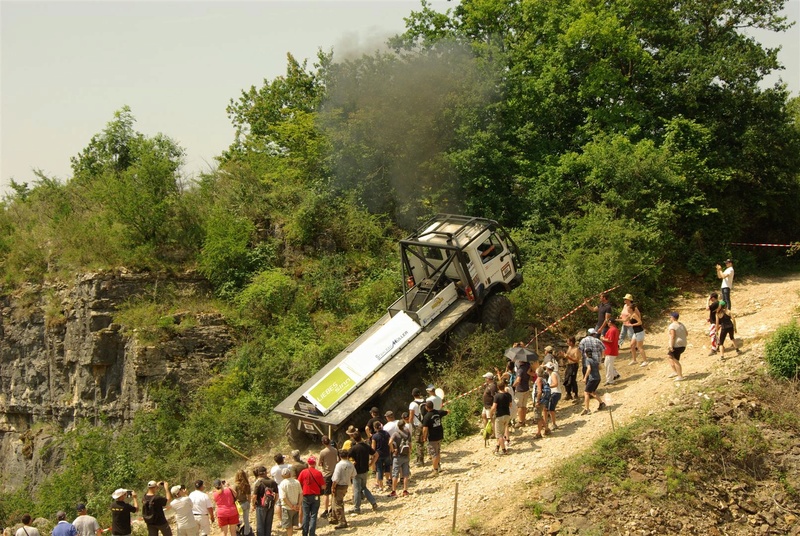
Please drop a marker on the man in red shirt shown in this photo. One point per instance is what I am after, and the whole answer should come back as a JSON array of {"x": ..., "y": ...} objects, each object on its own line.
[
  {"x": 611, "y": 341},
  {"x": 313, "y": 484}
]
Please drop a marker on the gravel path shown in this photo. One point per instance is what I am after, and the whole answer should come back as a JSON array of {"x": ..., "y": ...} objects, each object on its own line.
[{"x": 762, "y": 304}]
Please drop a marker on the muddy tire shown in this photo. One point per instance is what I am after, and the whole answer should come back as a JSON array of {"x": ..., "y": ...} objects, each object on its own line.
[
  {"x": 497, "y": 312},
  {"x": 297, "y": 439}
]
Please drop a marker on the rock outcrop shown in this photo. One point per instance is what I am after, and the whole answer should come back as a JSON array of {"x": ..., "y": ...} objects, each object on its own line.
[{"x": 64, "y": 359}]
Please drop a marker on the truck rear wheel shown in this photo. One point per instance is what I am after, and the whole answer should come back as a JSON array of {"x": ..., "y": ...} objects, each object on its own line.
[
  {"x": 297, "y": 438},
  {"x": 459, "y": 334},
  {"x": 497, "y": 312}
]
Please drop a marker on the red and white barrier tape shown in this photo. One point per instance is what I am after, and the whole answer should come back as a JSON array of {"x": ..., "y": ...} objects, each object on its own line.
[
  {"x": 793, "y": 245},
  {"x": 462, "y": 395},
  {"x": 545, "y": 330}
]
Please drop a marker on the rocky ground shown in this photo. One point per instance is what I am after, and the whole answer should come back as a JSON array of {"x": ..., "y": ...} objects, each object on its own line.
[{"x": 524, "y": 493}]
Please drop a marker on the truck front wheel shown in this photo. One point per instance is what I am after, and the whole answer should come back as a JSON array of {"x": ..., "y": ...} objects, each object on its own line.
[
  {"x": 297, "y": 438},
  {"x": 497, "y": 312}
]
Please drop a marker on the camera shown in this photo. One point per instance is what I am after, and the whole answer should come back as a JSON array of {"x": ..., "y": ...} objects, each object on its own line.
[
  {"x": 130, "y": 493},
  {"x": 161, "y": 483}
]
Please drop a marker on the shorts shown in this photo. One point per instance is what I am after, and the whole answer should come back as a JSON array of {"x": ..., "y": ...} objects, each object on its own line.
[
  {"x": 434, "y": 448},
  {"x": 676, "y": 353},
  {"x": 400, "y": 467},
  {"x": 521, "y": 398},
  {"x": 328, "y": 484},
  {"x": 554, "y": 398},
  {"x": 487, "y": 412},
  {"x": 383, "y": 465},
  {"x": 289, "y": 518},
  {"x": 500, "y": 424},
  {"x": 591, "y": 386},
  {"x": 224, "y": 521},
  {"x": 638, "y": 337}
]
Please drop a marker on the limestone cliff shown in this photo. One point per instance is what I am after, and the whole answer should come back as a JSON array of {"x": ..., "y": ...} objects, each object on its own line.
[{"x": 62, "y": 359}]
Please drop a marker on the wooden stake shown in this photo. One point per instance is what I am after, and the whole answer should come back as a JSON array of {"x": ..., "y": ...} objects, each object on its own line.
[
  {"x": 234, "y": 450},
  {"x": 455, "y": 508}
]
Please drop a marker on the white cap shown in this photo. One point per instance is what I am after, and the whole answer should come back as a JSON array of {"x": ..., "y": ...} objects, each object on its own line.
[
  {"x": 488, "y": 375},
  {"x": 119, "y": 492},
  {"x": 152, "y": 484},
  {"x": 549, "y": 365},
  {"x": 591, "y": 331},
  {"x": 175, "y": 489}
]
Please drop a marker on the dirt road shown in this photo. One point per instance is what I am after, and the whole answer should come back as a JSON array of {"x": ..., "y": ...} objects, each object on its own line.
[{"x": 490, "y": 486}]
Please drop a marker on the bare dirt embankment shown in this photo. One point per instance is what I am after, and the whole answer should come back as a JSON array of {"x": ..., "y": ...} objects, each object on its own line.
[{"x": 493, "y": 490}]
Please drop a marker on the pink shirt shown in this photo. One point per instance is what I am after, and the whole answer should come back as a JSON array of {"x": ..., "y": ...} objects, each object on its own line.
[{"x": 226, "y": 504}]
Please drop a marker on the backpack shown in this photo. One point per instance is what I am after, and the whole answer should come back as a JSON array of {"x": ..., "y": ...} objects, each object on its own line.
[
  {"x": 148, "y": 512},
  {"x": 405, "y": 445},
  {"x": 268, "y": 499},
  {"x": 545, "y": 399}
]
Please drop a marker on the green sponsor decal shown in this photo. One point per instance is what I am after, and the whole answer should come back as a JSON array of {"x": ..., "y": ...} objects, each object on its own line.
[{"x": 333, "y": 387}]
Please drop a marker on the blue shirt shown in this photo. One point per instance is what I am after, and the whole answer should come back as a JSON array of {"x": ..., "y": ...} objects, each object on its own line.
[{"x": 65, "y": 529}]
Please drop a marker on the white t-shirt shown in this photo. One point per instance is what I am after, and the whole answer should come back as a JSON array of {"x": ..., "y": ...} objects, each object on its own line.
[
  {"x": 86, "y": 525},
  {"x": 727, "y": 277},
  {"x": 390, "y": 427},
  {"x": 555, "y": 378},
  {"x": 277, "y": 472},
  {"x": 183, "y": 507},
  {"x": 680, "y": 334},
  {"x": 201, "y": 502},
  {"x": 30, "y": 531},
  {"x": 414, "y": 406},
  {"x": 437, "y": 402}
]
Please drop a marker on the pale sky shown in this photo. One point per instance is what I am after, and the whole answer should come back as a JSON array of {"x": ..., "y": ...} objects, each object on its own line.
[{"x": 66, "y": 66}]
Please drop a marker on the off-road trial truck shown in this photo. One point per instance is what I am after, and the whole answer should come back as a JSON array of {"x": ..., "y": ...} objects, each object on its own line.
[{"x": 455, "y": 270}]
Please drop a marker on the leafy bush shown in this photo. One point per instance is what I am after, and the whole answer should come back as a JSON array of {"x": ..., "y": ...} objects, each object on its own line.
[
  {"x": 459, "y": 423},
  {"x": 782, "y": 352},
  {"x": 270, "y": 294}
]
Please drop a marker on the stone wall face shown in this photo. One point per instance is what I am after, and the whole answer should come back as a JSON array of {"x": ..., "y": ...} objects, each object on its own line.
[{"x": 63, "y": 359}]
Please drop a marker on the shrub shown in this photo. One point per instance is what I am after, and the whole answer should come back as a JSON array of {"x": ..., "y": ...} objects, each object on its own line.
[
  {"x": 270, "y": 294},
  {"x": 458, "y": 423},
  {"x": 782, "y": 352}
]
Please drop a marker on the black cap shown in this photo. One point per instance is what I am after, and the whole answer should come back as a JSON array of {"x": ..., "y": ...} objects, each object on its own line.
[{"x": 198, "y": 484}]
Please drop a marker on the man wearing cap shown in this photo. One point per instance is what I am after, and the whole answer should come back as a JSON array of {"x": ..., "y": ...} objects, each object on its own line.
[
  {"x": 313, "y": 485},
  {"x": 593, "y": 343},
  {"x": 202, "y": 507},
  {"x": 489, "y": 390},
  {"x": 369, "y": 429},
  {"x": 343, "y": 476},
  {"x": 264, "y": 506},
  {"x": 297, "y": 463},
  {"x": 121, "y": 512},
  {"x": 415, "y": 414},
  {"x": 85, "y": 524},
  {"x": 549, "y": 357},
  {"x": 328, "y": 457},
  {"x": 677, "y": 344},
  {"x": 400, "y": 445},
  {"x": 501, "y": 412},
  {"x": 391, "y": 423},
  {"x": 63, "y": 527},
  {"x": 433, "y": 397},
  {"x": 611, "y": 343},
  {"x": 153, "y": 509},
  {"x": 181, "y": 504},
  {"x": 433, "y": 433},
  {"x": 727, "y": 280},
  {"x": 363, "y": 456},
  {"x": 290, "y": 493}
]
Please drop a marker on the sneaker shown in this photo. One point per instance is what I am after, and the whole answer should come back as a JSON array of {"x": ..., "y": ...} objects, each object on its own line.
[
  {"x": 537, "y": 436},
  {"x": 375, "y": 505},
  {"x": 341, "y": 526},
  {"x": 610, "y": 383},
  {"x": 712, "y": 352},
  {"x": 644, "y": 364},
  {"x": 392, "y": 494},
  {"x": 354, "y": 512},
  {"x": 678, "y": 379},
  {"x": 601, "y": 406},
  {"x": 585, "y": 412},
  {"x": 405, "y": 493},
  {"x": 632, "y": 362},
  {"x": 672, "y": 375},
  {"x": 617, "y": 377},
  {"x": 435, "y": 472}
]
